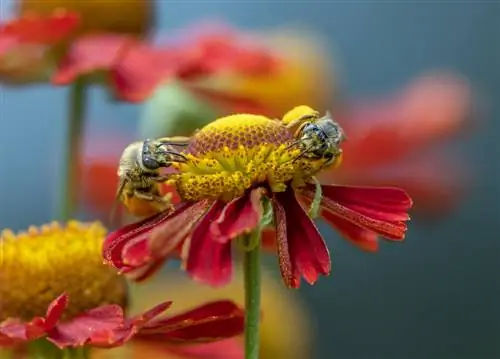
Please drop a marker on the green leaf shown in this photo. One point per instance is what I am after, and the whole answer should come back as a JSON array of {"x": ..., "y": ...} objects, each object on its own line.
[{"x": 174, "y": 111}]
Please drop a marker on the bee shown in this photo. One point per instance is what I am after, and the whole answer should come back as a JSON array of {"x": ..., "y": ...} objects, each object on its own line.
[
  {"x": 317, "y": 137},
  {"x": 140, "y": 177}
]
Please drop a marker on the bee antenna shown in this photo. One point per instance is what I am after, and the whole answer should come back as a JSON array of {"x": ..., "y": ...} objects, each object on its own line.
[{"x": 177, "y": 154}]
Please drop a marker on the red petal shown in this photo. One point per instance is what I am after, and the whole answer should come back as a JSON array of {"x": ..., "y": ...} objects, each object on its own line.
[
  {"x": 378, "y": 209},
  {"x": 208, "y": 260},
  {"x": 224, "y": 349},
  {"x": 289, "y": 272},
  {"x": 364, "y": 239},
  {"x": 115, "y": 241},
  {"x": 14, "y": 331},
  {"x": 140, "y": 71},
  {"x": 170, "y": 234},
  {"x": 89, "y": 54},
  {"x": 432, "y": 108},
  {"x": 41, "y": 29},
  {"x": 240, "y": 216},
  {"x": 306, "y": 248},
  {"x": 212, "y": 321},
  {"x": 80, "y": 330}
]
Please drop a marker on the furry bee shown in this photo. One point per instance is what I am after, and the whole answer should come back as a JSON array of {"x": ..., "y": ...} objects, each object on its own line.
[
  {"x": 317, "y": 137},
  {"x": 139, "y": 173}
]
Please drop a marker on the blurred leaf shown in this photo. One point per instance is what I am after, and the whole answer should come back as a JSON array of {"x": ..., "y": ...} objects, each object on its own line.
[{"x": 174, "y": 111}]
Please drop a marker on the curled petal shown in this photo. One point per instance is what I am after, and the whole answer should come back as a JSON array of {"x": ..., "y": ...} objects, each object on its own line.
[
  {"x": 167, "y": 237},
  {"x": 240, "y": 216},
  {"x": 13, "y": 332},
  {"x": 208, "y": 260},
  {"x": 301, "y": 249},
  {"x": 41, "y": 29},
  {"x": 116, "y": 241},
  {"x": 212, "y": 321},
  {"x": 383, "y": 210},
  {"x": 90, "y": 54}
]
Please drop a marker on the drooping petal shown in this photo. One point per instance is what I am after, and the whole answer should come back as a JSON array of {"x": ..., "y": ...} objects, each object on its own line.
[
  {"x": 115, "y": 241},
  {"x": 212, "y": 321},
  {"x": 383, "y": 210},
  {"x": 240, "y": 216},
  {"x": 89, "y": 54},
  {"x": 80, "y": 330},
  {"x": 208, "y": 260},
  {"x": 307, "y": 250},
  {"x": 165, "y": 238}
]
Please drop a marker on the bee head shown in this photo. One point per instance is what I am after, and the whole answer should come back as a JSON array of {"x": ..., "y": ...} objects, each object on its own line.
[{"x": 146, "y": 158}]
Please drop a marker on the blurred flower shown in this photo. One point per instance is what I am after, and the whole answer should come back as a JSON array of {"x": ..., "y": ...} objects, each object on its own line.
[
  {"x": 54, "y": 285},
  {"x": 278, "y": 341},
  {"x": 230, "y": 71},
  {"x": 133, "y": 17},
  {"x": 392, "y": 141},
  {"x": 236, "y": 165},
  {"x": 27, "y": 45},
  {"x": 33, "y": 45}
]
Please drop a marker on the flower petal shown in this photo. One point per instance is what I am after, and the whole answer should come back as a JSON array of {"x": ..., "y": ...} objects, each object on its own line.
[
  {"x": 114, "y": 243},
  {"x": 433, "y": 107},
  {"x": 212, "y": 321},
  {"x": 362, "y": 238},
  {"x": 306, "y": 248},
  {"x": 42, "y": 29},
  {"x": 207, "y": 260},
  {"x": 89, "y": 54},
  {"x": 140, "y": 71},
  {"x": 383, "y": 210},
  {"x": 240, "y": 216},
  {"x": 165, "y": 238},
  {"x": 81, "y": 329}
]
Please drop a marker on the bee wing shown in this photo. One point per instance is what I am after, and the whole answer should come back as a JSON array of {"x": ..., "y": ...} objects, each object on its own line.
[{"x": 175, "y": 140}]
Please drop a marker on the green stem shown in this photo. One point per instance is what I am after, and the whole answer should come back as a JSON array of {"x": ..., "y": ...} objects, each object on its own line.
[
  {"x": 251, "y": 265},
  {"x": 76, "y": 117}
]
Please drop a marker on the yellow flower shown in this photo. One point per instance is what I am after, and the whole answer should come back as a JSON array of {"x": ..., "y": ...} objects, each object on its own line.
[
  {"x": 54, "y": 286},
  {"x": 40, "y": 264},
  {"x": 133, "y": 17}
]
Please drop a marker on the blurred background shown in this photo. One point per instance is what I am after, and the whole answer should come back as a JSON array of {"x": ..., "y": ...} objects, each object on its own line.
[{"x": 414, "y": 84}]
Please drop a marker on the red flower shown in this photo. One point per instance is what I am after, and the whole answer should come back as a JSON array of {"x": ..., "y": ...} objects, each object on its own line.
[
  {"x": 204, "y": 230},
  {"x": 107, "y": 326},
  {"x": 136, "y": 68},
  {"x": 238, "y": 169}
]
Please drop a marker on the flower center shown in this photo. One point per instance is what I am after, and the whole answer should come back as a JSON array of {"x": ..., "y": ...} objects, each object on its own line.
[
  {"x": 237, "y": 152},
  {"x": 39, "y": 265}
]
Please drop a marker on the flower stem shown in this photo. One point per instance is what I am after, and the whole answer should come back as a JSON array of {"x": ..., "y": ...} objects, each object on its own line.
[
  {"x": 251, "y": 265},
  {"x": 76, "y": 117}
]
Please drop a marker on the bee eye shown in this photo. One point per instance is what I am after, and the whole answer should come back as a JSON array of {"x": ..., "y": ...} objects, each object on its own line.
[{"x": 150, "y": 163}]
